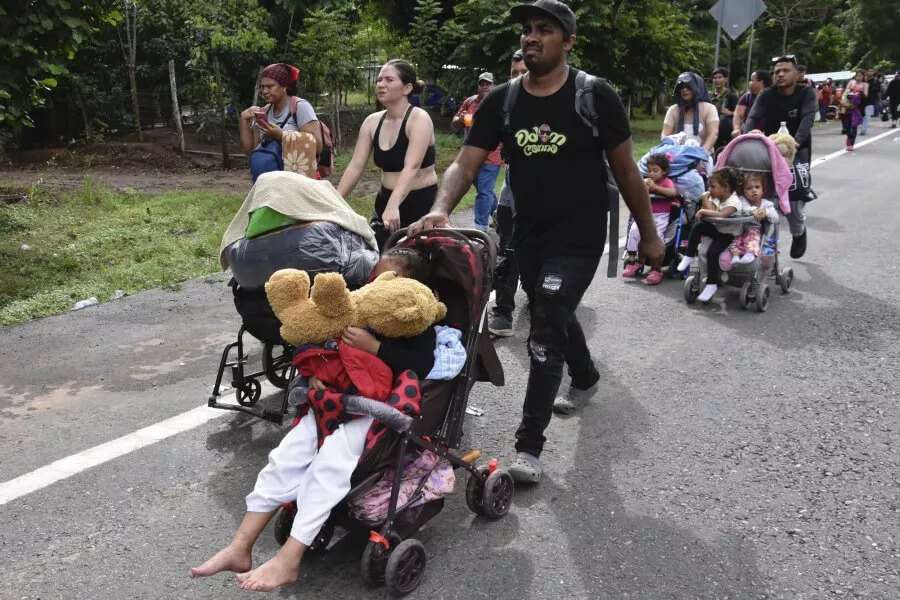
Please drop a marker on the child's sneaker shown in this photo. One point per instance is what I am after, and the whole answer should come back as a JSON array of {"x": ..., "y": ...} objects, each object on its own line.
[
  {"x": 654, "y": 278},
  {"x": 631, "y": 269}
]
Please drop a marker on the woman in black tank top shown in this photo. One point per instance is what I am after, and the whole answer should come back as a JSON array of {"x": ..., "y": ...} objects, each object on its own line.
[{"x": 402, "y": 140}]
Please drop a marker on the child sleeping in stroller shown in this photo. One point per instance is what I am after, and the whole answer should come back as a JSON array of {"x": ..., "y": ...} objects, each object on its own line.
[
  {"x": 746, "y": 247},
  {"x": 318, "y": 477}
]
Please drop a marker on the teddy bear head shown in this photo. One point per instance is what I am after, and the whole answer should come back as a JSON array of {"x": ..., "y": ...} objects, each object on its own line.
[{"x": 391, "y": 306}]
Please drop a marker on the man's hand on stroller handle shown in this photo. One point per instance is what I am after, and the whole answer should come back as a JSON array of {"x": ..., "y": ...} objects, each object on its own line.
[{"x": 434, "y": 220}]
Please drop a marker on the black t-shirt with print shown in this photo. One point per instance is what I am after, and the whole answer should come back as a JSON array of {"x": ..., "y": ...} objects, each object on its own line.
[{"x": 556, "y": 171}]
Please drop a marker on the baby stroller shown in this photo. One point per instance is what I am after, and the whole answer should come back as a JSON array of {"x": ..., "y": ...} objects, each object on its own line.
[
  {"x": 749, "y": 153},
  {"x": 464, "y": 262}
]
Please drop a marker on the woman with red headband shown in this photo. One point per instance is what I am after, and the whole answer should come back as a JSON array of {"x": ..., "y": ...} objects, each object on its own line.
[{"x": 277, "y": 85}]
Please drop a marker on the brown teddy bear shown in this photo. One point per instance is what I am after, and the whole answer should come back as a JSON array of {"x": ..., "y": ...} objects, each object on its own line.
[{"x": 391, "y": 306}]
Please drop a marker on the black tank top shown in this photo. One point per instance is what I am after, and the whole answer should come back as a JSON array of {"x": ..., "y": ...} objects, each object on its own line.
[{"x": 391, "y": 161}]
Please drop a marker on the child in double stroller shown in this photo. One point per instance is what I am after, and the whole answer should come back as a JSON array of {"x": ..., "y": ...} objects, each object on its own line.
[{"x": 756, "y": 166}]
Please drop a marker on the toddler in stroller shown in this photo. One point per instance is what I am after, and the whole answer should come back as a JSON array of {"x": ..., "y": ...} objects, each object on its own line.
[
  {"x": 662, "y": 195},
  {"x": 325, "y": 482},
  {"x": 721, "y": 202},
  {"x": 746, "y": 247}
]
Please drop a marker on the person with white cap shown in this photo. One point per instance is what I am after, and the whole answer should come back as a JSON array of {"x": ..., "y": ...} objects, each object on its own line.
[
  {"x": 559, "y": 179},
  {"x": 485, "y": 199}
]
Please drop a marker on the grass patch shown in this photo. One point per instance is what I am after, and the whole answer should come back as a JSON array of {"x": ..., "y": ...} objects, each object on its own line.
[{"x": 93, "y": 241}]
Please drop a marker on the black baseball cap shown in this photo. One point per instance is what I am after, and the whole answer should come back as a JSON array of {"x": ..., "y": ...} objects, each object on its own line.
[{"x": 549, "y": 8}]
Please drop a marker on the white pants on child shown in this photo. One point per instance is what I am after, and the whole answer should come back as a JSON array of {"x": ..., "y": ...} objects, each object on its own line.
[
  {"x": 634, "y": 236},
  {"x": 316, "y": 480}
]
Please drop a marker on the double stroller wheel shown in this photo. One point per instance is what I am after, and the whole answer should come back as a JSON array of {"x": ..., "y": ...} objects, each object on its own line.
[
  {"x": 400, "y": 568},
  {"x": 759, "y": 297},
  {"x": 691, "y": 289},
  {"x": 785, "y": 279}
]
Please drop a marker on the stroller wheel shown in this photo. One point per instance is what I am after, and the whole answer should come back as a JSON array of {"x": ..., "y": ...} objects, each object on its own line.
[
  {"x": 673, "y": 267},
  {"x": 322, "y": 539},
  {"x": 498, "y": 494},
  {"x": 787, "y": 278},
  {"x": 475, "y": 491},
  {"x": 374, "y": 563},
  {"x": 690, "y": 291},
  {"x": 405, "y": 567},
  {"x": 283, "y": 522},
  {"x": 248, "y": 392},
  {"x": 745, "y": 295},
  {"x": 762, "y": 298},
  {"x": 276, "y": 364}
]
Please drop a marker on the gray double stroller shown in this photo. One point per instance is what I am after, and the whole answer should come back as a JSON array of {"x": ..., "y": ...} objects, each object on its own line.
[{"x": 748, "y": 154}]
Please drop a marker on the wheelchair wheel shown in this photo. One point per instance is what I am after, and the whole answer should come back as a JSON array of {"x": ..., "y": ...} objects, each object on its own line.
[
  {"x": 276, "y": 363},
  {"x": 248, "y": 393},
  {"x": 405, "y": 567}
]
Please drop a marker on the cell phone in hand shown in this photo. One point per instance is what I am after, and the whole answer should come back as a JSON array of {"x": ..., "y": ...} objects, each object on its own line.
[{"x": 261, "y": 120}]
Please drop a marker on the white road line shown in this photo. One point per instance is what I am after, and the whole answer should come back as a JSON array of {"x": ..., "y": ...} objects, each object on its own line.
[
  {"x": 76, "y": 463},
  {"x": 822, "y": 159}
]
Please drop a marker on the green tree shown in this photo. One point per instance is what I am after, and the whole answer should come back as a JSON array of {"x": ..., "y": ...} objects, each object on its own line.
[
  {"x": 38, "y": 42},
  {"x": 432, "y": 38}
]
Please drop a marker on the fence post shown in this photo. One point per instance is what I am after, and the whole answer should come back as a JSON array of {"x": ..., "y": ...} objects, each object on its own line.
[
  {"x": 226, "y": 158},
  {"x": 176, "y": 110},
  {"x": 256, "y": 89}
]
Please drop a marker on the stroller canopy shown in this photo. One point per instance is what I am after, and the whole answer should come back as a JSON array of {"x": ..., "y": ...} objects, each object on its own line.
[{"x": 757, "y": 153}]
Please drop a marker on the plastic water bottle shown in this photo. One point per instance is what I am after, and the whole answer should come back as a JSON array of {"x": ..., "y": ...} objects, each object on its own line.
[{"x": 783, "y": 128}]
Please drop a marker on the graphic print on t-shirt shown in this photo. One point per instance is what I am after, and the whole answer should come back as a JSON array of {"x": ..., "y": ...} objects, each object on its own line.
[{"x": 540, "y": 140}]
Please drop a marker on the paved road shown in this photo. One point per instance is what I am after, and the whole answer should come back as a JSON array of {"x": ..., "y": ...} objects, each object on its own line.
[{"x": 728, "y": 455}]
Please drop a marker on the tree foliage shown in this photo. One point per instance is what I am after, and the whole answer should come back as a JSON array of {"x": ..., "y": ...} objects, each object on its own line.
[{"x": 38, "y": 42}]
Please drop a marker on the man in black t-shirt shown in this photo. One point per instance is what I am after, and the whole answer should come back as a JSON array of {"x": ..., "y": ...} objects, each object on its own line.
[
  {"x": 788, "y": 102},
  {"x": 558, "y": 178}
]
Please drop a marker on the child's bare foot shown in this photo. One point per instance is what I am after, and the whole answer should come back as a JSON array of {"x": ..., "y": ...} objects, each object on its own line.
[
  {"x": 281, "y": 569},
  {"x": 230, "y": 558}
]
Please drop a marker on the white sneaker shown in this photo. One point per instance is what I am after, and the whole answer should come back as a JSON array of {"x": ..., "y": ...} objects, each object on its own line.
[
  {"x": 686, "y": 263},
  {"x": 708, "y": 292},
  {"x": 745, "y": 259}
]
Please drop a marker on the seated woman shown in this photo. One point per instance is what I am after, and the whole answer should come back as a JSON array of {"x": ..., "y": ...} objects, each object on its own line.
[{"x": 316, "y": 473}]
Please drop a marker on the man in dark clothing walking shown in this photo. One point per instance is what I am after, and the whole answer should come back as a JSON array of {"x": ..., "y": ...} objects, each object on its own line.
[
  {"x": 893, "y": 96},
  {"x": 558, "y": 179},
  {"x": 725, "y": 101},
  {"x": 788, "y": 103}
]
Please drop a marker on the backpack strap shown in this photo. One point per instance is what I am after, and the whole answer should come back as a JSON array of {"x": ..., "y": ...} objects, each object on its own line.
[
  {"x": 512, "y": 93},
  {"x": 586, "y": 108}
]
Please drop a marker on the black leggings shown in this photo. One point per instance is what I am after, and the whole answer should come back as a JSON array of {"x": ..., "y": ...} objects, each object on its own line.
[
  {"x": 416, "y": 205},
  {"x": 850, "y": 129},
  {"x": 720, "y": 241}
]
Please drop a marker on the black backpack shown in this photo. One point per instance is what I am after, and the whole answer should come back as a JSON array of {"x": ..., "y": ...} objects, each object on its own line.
[{"x": 586, "y": 109}]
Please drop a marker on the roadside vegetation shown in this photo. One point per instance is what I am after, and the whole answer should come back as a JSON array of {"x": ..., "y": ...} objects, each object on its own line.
[{"x": 61, "y": 246}]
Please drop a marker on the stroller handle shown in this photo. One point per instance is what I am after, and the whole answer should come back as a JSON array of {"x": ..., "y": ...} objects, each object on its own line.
[
  {"x": 354, "y": 404},
  {"x": 460, "y": 234},
  {"x": 730, "y": 220}
]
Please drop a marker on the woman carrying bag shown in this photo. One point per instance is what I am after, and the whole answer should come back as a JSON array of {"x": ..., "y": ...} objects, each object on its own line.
[{"x": 272, "y": 136}]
